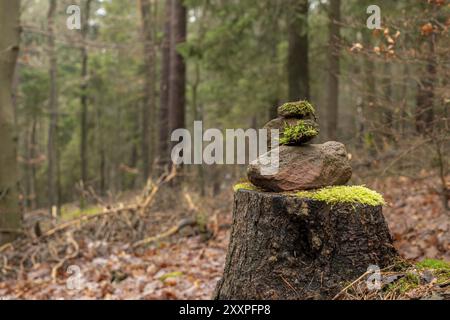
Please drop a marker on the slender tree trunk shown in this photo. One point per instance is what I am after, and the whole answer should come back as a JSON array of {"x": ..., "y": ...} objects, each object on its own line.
[
  {"x": 32, "y": 172},
  {"x": 298, "y": 61},
  {"x": 333, "y": 68},
  {"x": 26, "y": 167},
  {"x": 370, "y": 101},
  {"x": 101, "y": 151},
  {"x": 425, "y": 92},
  {"x": 10, "y": 217},
  {"x": 84, "y": 99},
  {"x": 275, "y": 98},
  {"x": 388, "y": 115},
  {"x": 154, "y": 88},
  {"x": 198, "y": 116},
  {"x": 404, "y": 104},
  {"x": 53, "y": 163},
  {"x": 29, "y": 166},
  {"x": 177, "y": 96},
  {"x": 165, "y": 90},
  {"x": 148, "y": 108}
]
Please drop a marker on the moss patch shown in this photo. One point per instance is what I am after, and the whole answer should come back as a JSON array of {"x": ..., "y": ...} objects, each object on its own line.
[
  {"x": 169, "y": 275},
  {"x": 302, "y": 132},
  {"x": 410, "y": 281},
  {"x": 330, "y": 195},
  {"x": 405, "y": 280},
  {"x": 439, "y": 268},
  {"x": 68, "y": 213},
  {"x": 433, "y": 264},
  {"x": 244, "y": 186},
  {"x": 296, "y": 109},
  {"x": 344, "y": 194}
]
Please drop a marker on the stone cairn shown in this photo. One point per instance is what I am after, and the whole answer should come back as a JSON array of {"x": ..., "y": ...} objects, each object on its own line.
[
  {"x": 285, "y": 242},
  {"x": 302, "y": 166}
]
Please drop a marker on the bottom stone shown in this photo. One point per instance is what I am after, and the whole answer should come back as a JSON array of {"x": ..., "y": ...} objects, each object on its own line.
[{"x": 303, "y": 167}]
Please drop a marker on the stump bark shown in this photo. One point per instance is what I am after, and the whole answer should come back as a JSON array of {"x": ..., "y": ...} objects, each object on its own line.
[{"x": 285, "y": 247}]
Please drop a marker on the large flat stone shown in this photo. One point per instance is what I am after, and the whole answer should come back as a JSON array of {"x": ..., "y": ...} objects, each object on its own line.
[{"x": 303, "y": 168}]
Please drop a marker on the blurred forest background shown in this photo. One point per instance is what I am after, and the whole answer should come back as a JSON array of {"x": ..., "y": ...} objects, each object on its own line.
[{"x": 94, "y": 108}]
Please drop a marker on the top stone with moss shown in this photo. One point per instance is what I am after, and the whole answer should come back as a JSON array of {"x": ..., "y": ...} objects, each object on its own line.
[{"x": 300, "y": 109}]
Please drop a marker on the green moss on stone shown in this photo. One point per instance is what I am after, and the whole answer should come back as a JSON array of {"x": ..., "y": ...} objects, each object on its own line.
[
  {"x": 297, "y": 109},
  {"x": 344, "y": 194},
  {"x": 302, "y": 132}
]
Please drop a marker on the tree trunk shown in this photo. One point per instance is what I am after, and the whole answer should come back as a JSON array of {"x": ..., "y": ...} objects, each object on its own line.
[
  {"x": 148, "y": 108},
  {"x": 370, "y": 97},
  {"x": 101, "y": 151},
  {"x": 298, "y": 61},
  {"x": 84, "y": 99},
  {"x": 164, "y": 92},
  {"x": 10, "y": 218},
  {"x": 388, "y": 114},
  {"x": 198, "y": 116},
  {"x": 53, "y": 162},
  {"x": 285, "y": 247},
  {"x": 32, "y": 153},
  {"x": 177, "y": 67},
  {"x": 333, "y": 68},
  {"x": 425, "y": 94}
]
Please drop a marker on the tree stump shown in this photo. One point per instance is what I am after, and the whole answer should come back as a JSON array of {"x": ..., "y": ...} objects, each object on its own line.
[{"x": 285, "y": 247}]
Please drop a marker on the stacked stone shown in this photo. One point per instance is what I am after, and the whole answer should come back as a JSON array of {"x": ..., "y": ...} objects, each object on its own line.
[
  {"x": 301, "y": 166},
  {"x": 296, "y": 123}
]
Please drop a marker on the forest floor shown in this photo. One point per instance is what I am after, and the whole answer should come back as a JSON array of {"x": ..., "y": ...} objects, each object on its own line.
[{"x": 187, "y": 265}]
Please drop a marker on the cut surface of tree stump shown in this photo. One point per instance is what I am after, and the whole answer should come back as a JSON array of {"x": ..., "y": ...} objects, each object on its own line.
[{"x": 286, "y": 247}]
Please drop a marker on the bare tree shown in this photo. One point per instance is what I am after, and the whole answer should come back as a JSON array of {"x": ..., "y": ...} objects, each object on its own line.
[
  {"x": 298, "y": 61},
  {"x": 84, "y": 98},
  {"x": 177, "y": 96},
  {"x": 334, "y": 16},
  {"x": 52, "y": 147},
  {"x": 148, "y": 108},
  {"x": 164, "y": 89},
  {"x": 10, "y": 220},
  {"x": 425, "y": 90}
]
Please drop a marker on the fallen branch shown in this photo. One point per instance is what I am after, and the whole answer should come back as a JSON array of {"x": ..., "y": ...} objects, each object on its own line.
[
  {"x": 189, "y": 222},
  {"x": 351, "y": 285},
  {"x": 142, "y": 207},
  {"x": 61, "y": 262},
  {"x": 14, "y": 231}
]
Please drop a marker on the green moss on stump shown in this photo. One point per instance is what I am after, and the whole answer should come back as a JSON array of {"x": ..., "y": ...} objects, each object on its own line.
[
  {"x": 299, "y": 109},
  {"x": 244, "y": 186},
  {"x": 303, "y": 131},
  {"x": 344, "y": 194},
  {"x": 331, "y": 195}
]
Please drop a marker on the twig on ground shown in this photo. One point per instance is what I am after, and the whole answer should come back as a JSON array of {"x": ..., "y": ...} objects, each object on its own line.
[{"x": 182, "y": 224}]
